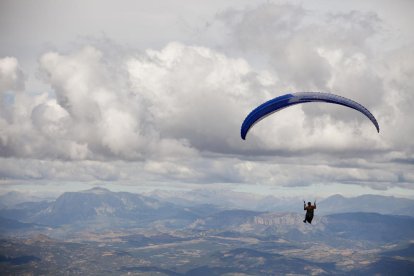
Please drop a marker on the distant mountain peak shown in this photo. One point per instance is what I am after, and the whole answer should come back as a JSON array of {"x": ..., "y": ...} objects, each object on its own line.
[
  {"x": 336, "y": 196},
  {"x": 366, "y": 203},
  {"x": 97, "y": 190}
]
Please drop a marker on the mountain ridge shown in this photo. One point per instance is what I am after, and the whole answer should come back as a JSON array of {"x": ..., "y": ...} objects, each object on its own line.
[{"x": 366, "y": 203}]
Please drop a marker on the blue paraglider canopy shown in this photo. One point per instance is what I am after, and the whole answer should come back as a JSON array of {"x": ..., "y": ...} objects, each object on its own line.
[{"x": 287, "y": 100}]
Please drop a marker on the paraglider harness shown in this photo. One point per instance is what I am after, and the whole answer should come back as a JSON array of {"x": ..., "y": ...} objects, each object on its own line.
[{"x": 309, "y": 211}]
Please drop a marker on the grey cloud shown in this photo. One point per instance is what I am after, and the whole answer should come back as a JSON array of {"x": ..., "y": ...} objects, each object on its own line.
[
  {"x": 334, "y": 51},
  {"x": 310, "y": 51},
  {"x": 173, "y": 113},
  {"x": 11, "y": 75},
  {"x": 194, "y": 93},
  {"x": 409, "y": 161},
  {"x": 175, "y": 99},
  {"x": 59, "y": 171}
]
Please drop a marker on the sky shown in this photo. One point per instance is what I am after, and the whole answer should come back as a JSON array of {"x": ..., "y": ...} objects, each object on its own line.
[{"x": 145, "y": 95}]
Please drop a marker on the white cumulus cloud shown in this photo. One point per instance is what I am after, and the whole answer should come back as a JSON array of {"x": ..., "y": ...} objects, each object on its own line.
[{"x": 173, "y": 112}]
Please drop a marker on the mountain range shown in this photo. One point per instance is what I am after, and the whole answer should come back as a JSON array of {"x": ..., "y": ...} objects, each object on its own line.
[
  {"x": 229, "y": 199},
  {"x": 103, "y": 207},
  {"x": 100, "y": 209},
  {"x": 98, "y": 231},
  {"x": 367, "y": 203},
  {"x": 13, "y": 198}
]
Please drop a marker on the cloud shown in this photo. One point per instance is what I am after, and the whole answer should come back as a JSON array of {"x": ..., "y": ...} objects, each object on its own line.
[
  {"x": 174, "y": 113},
  {"x": 104, "y": 114},
  {"x": 11, "y": 76},
  {"x": 196, "y": 94},
  {"x": 178, "y": 101},
  {"x": 17, "y": 169},
  {"x": 398, "y": 73},
  {"x": 307, "y": 50}
]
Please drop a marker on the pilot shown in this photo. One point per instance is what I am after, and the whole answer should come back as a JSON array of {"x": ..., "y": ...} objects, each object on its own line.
[{"x": 309, "y": 211}]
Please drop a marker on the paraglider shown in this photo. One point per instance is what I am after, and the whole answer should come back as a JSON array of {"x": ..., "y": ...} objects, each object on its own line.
[
  {"x": 309, "y": 211},
  {"x": 287, "y": 100}
]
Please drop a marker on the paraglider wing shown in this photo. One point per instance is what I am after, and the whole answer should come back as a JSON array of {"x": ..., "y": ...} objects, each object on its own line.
[{"x": 287, "y": 100}]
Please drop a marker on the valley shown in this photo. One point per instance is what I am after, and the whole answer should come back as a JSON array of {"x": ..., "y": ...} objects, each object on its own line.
[{"x": 129, "y": 234}]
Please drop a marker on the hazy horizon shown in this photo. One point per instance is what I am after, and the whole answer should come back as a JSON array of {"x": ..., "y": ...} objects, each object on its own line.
[{"x": 48, "y": 193}]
